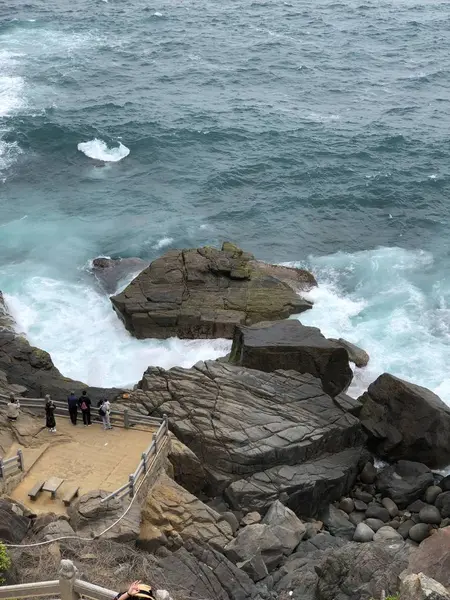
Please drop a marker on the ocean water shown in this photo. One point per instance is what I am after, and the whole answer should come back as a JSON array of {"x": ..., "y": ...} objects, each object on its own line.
[{"x": 310, "y": 133}]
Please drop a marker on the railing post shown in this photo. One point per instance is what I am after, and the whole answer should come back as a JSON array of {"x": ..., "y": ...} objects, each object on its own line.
[
  {"x": 131, "y": 484},
  {"x": 166, "y": 423},
  {"x": 20, "y": 459},
  {"x": 67, "y": 575},
  {"x": 155, "y": 441},
  {"x": 1, "y": 468},
  {"x": 126, "y": 419},
  {"x": 144, "y": 460}
]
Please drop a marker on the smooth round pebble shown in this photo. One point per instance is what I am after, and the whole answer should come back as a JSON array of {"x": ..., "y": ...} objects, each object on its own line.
[
  {"x": 363, "y": 533},
  {"x": 432, "y": 493},
  {"x": 419, "y": 532},
  {"x": 364, "y": 496},
  {"x": 377, "y": 512},
  {"x": 385, "y": 534},
  {"x": 356, "y": 517},
  {"x": 374, "y": 524},
  {"x": 431, "y": 515},
  {"x": 405, "y": 527},
  {"x": 394, "y": 524},
  {"x": 360, "y": 505},
  {"x": 368, "y": 474},
  {"x": 390, "y": 506},
  {"x": 347, "y": 505}
]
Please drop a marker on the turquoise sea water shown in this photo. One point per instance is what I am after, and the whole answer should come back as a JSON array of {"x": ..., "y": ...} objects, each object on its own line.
[{"x": 309, "y": 133}]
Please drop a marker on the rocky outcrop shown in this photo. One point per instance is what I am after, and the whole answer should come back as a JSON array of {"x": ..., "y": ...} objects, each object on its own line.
[
  {"x": 393, "y": 434},
  {"x": 110, "y": 271},
  {"x": 421, "y": 587},
  {"x": 172, "y": 513},
  {"x": 257, "y": 433},
  {"x": 433, "y": 557},
  {"x": 404, "y": 481},
  {"x": 356, "y": 355},
  {"x": 89, "y": 517},
  {"x": 289, "y": 345},
  {"x": 31, "y": 370},
  {"x": 13, "y": 524},
  {"x": 188, "y": 471},
  {"x": 204, "y": 293}
]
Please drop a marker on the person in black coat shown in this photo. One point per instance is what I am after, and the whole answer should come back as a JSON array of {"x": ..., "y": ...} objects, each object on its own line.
[
  {"x": 85, "y": 405},
  {"x": 50, "y": 406},
  {"x": 72, "y": 401}
]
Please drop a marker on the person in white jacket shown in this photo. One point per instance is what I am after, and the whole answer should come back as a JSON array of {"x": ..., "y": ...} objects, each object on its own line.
[
  {"x": 104, "y": 412},
  {"x": 12, "y": 408}
]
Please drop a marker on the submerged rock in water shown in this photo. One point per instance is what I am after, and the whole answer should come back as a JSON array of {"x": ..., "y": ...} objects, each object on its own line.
[
  {"x": 110, "y": 271},
  {"x": 406, "y": 421},
  {"x": 205, "y": 292},
  {"x": 289, "y": 345}
]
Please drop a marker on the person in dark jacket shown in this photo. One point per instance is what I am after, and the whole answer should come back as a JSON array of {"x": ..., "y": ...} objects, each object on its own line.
[
  {"x": 85, "y": 405},
  {"x": 50, "y": 406},
  {"x": 72, "y": 401}
]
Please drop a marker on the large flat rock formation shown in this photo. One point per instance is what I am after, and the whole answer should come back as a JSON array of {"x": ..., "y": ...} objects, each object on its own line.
[
  {"x": 205, "y": 292},
  {"x": 278, "y": 432}
]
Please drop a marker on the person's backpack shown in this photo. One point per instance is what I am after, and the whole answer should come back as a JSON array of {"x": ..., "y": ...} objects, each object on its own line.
[
  {"x": 84, "y": 405},
  {"x": 101, "y": 411}
]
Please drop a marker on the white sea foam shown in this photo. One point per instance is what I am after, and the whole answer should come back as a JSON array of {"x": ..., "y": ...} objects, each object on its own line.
[
  {"x": 98, "y": 150},
  {"x": 163, "y": 242},
  {"x": 86, "y": 339},
  {"x": 380, "y": 300}
]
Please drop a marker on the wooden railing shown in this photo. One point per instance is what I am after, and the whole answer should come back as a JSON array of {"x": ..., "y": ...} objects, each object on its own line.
[
  {"x": 67, "y": 587},
  {"x": 145, "y": 464}
]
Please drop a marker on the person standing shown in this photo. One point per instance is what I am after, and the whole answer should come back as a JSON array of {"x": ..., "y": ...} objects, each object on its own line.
[
  {"x": 104, "y": 411},
  {"x": 85, "y": 404},
  {"x": 50, "y": 407},
  {"x": 12, "y": 408},
  {"x": 72, "y": 401}
]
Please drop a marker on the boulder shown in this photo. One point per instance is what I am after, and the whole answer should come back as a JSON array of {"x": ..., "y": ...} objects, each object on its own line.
[
  {"x": 390, "y": 506},
  {"x": 430, "y": 514},
  {"x": 172, "y": 509},
  {"x": 374, "y": 524},
  {"x": 257, "y": 540},
  {"x": 338, "y": 524},
  {"x": 347, "y": 505},
  {"x": 421, "y": 587},
  {"x": 13, "y": 526},
  {"x": 419, "y": 532},
  {"x": 444, "y": 484},
  {"x": 205, "y": 293},
  {"x": 312, "y": 529},
  {"x": 286, "y": 525},
  {"x": 443, "y": 504},
  {"x": 90, "y": 517},
  {"x": 374, "y": 511},
  {"x": 433, "y": 557},
  {"x": 258, "y": 434},
  {"x": 368, "y": 474},
  {"x": 356, "y": 355},
  {"x": 251, "y": 518},
  {"x": 404, "y": 482},
  {"x": 386, "y": 417},
  {"x": 387, "y": 534},
  {"x": 187, "y": 469},
  {"x": 432, "y": 493},
  {"x": 363, "y": 533},
  {"x": 289, "y": 345},
  {"x": 109, "y": 272},
  {"x": 255, "y": 567},
  {"x": 56, "y": 529}
]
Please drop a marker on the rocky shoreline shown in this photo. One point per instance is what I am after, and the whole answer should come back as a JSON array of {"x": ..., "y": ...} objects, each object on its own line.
[{"x": 275, "y": 487}]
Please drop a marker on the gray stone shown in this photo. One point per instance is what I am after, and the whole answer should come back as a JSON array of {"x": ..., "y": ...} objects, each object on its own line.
[
  {"x": 338, "y": 524},
  {"x": 312, "y": 529},
  {"x": 255, "y": 567},
  {"x": 419, "y": 532},
  {"x": 377, "y": 512},
  {"x": 13, "y": 527},
  {"x": 289, "y": 345},
  {"x": 431, "y": 515},
  {"x": 416, "y": 506},
  {"x": 110, "y": 271},
  {"x": 391, "y": 507},
  {"x": 433, "y": 557},
  {"x": 374, "y": 524},
  {"x": 432, "y": 493},
  {"x": 393, "y": 434},
  {"x": 394, "y": 524},
  {"x": 368, "y": 474},
  {"x": 405, "y": 527},
  {"x": 421, "y": 587},
  {"x": 363, "y": 496},
  {"x": 231, "y": 519},
  {"x": 356, "y": 517},
  {"x": 363, "y": 533},
  {"x": 360, "y": 505},
  {"x": 404, "y": 481},
  {"x": 347, "y": 505},
  {"x": 442, "y": 503},
  {"x": 356, "y": 355},
  {"x": 56, "y": 529},
  {"x": 205, "y": 293},
  {"x": 445, "y": 484},
  {"x": 285, "y": 524},
  {"x": 257, "y": 434},
  {"x": 251, "y": 518},
  {"x": 387, "y": 534}
]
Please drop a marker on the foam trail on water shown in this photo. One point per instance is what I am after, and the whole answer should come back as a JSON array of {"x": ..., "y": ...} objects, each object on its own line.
[
  {"x": 389, "y": 302},
  {"x": 98, "y": 150},
  {"x": 163, "y": 242},
  {"x": 86, "y": 339}
]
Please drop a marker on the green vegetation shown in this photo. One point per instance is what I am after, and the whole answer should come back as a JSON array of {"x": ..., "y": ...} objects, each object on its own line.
[{"x": 5, "y": 562}]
